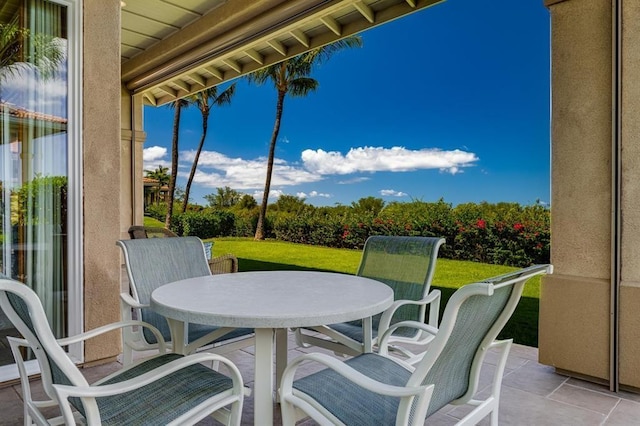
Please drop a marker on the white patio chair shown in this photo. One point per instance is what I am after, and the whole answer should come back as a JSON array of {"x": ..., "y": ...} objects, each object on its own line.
[
  {"x": 167, "y": 389},
  {"x": 153, "y": 262},
  {"x": 407, "y": 265},
  {"x": 381, "y": 390}
]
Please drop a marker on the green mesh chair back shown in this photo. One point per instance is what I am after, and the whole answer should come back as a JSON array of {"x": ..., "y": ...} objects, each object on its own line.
[
  {"x": 472, "y": 320},
  {"x": 406, "y": 264},
  {"x": 23, "y": 308},
  {"x": 153, "y": 262},
  {"x": 189, "y": 389}
]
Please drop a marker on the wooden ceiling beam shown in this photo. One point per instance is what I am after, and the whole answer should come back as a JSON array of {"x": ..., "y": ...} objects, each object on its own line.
[
  {"x": 332, "y": 24},
  {"x": 365, "y": 11}
]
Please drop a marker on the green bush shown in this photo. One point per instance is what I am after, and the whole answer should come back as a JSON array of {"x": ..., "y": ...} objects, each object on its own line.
[
  {"x": 157, "y": 211},
  {"x": 502, "y": 233},
  {"x": 206, "y": 224}
]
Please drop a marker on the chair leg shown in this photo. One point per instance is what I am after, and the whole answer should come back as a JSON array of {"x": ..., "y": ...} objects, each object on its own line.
[
  {"x": 236, "y": 414},
  {"x": 127, "y": 355},
  {"x": 494, "y": 416},
  {"x": 288, "y": 414}
]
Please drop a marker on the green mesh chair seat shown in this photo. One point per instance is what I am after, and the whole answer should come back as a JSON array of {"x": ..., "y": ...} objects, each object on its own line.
[
  {"x": 407, "y": 265},
  {"x": 352, "y": 404},
  {"x": 153, "y": 262},
  {"x": 353, "y": 330},
  {"x": 448, "y": 373},
  {"x": 182, "y": 391}
]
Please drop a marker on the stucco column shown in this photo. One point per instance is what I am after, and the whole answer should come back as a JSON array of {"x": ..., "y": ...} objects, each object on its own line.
[
  {"x": 576, "y": 313},
  {"x": 101, "y": 172},
  {"x": 574, "y": 302},
  {"x": 132, "y": 136},
  {"x": 629, "y": 314}
]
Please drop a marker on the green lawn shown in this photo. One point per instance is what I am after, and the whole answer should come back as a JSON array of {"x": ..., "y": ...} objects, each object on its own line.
[
  {"x": 450, "y": 274},
  {"x": 153, "y": 223}
]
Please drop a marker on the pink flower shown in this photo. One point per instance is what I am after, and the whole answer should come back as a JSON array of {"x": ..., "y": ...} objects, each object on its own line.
[
  {"x": 518, "y": 226},
  {"x": 481, "y": 223}
]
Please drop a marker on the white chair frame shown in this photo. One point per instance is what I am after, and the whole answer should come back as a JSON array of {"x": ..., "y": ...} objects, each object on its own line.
[{"x": 415, "y": 396}]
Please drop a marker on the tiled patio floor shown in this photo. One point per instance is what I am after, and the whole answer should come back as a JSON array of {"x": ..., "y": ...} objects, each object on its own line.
[{"x": 532, "y": 394}]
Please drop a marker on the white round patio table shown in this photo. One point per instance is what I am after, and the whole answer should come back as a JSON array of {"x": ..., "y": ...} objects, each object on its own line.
[{"x": 269, "y": 301}]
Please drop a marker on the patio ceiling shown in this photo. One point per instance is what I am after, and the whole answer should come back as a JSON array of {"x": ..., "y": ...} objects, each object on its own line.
[{"x": 173, "y": 48}]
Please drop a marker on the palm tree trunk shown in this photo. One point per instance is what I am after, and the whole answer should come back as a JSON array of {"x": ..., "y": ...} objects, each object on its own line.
[
  {"x": 194, "y": 166},
  {"x": 174, "y": 164},
  {"x": 260, "y": 228}
]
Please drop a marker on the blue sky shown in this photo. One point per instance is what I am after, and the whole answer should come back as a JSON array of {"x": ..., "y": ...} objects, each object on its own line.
[{"x": 450, "y": 102}]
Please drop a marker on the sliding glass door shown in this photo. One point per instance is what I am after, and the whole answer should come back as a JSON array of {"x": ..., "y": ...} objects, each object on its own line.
[{"x": 38, "y": 146}]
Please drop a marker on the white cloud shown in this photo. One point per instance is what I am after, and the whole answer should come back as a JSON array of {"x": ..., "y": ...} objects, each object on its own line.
[
  {"x": 377, "y": 159},
  {"x": 218, "y": 170},
  {"x": 354, "y": 180},
  {"x": 273, "y": 194},
  {"x": 153, "y": 153},
  {"x": 155, "y": 156},
  {"x": 392, "y": 193},
  {"x": 313, "y": 194}
]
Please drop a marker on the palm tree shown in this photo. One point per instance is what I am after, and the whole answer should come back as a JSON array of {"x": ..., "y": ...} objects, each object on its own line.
[
  {"x": 159, "y": 174},
  {"x": 177, "y": 105},
  {"x": 46, "y": 56},
  {"x": 291, "y": 76},
  {"x": 204, "y": 100}
]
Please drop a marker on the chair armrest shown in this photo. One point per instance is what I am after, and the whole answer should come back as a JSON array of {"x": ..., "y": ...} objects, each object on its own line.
[
  {"x": 433, "y": 299},
  {"x": 150, "y": 376},
  {"x": 110, "y": 327},
  {"x": 131, "y": 302},
  {"x": 382, "y": 339},
  {"x": 63, "y": 392},
  {"x": 350, "y": 374},
  {"x": 224, "y": 264}
]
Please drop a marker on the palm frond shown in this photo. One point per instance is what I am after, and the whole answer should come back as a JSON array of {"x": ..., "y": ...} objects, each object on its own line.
[
  {"x": 225, "y": 97},
  {"x": 302, "y": 86},
  {"x": 325, "y": 52},
  {"x": 45, "y": 57}
]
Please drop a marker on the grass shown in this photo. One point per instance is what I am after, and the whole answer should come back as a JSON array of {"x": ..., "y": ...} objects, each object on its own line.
[
  {"x": 450, "y": 274},
  {"x": 154, "y": 223}
]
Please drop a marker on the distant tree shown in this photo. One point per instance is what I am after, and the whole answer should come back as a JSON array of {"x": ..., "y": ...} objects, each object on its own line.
[
  {"x": 204, "y": 100},
  {"x": 247, "y": 202},
  {"x": 291, "y": 76},
  {"x": 290, "y": 204},
  {"x": 371, "y": 205},
  {"x": 161, "y": 175},
  {"x": 224, "y": 198},
  {"x": 177, "y": 106}
]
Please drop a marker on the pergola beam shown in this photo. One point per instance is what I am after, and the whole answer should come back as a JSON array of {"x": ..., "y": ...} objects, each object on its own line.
[
  {"x": 365, "y": 11},
  {"x": 278, "y": 47},
  {"x": 332, "y": 24},
  {"x": 253, "y": 54},
  {"x": 301, "y": 37},
  {"x": 234, "y": 65}
]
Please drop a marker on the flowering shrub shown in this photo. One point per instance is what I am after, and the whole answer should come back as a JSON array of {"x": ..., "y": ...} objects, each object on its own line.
[{"x": 502, "y": 233}]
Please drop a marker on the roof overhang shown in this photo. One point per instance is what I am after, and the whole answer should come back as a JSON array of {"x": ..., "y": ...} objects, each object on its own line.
[{"x": 171, "y": 51}]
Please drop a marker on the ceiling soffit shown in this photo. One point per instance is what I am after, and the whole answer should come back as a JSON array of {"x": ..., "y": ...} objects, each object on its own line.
[{"x": 248, "y": 38}]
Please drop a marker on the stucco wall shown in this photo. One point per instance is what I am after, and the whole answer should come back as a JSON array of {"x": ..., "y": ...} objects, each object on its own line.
[
  {"x": 132, "y": 110},
  {"x": 630, "y": 245},
  {"x": 574, "y": 313},
  {"x": 101, "y": 150},
  {"x": 575, "y": 304}
]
